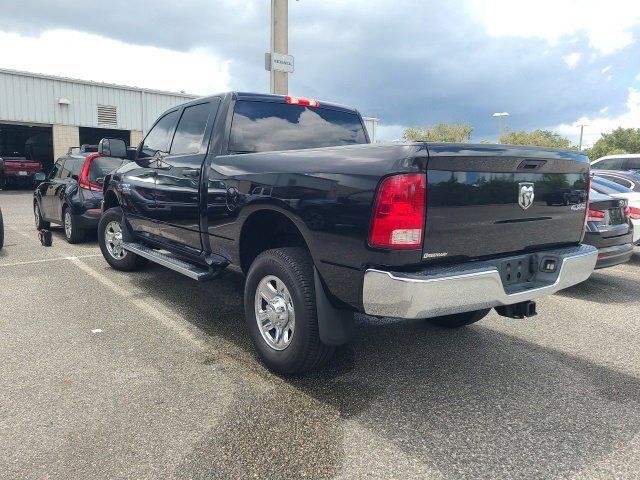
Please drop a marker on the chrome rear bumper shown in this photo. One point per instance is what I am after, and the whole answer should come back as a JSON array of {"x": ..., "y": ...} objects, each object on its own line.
[{"x": 470, "y": 286}]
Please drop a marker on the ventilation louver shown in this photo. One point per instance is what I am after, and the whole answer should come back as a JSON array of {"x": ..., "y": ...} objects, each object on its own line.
[{"x": 107, "y": 115}]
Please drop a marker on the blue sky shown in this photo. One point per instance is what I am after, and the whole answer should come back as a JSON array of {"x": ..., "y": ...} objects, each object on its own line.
[{"x": 550, "y": 64}]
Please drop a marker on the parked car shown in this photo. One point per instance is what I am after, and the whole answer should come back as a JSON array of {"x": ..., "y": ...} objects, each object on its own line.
[
  {"x": 18, "y": 171},
  {"x": 615, "y": 190},
  {"x": 419, "y": 230},
  {"x": 608, "y": 229},
  {"x": 1, "y": 230},
  {"x": 626, "y": 162},
  {"x": 72, "y": 193},
  {"x": 628, "y": 179}
]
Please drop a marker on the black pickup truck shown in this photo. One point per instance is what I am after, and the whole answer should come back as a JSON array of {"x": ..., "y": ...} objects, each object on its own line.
[{"x": 324, "y": 224}]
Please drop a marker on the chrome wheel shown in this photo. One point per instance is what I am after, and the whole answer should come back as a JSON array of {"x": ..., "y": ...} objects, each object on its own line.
[
  {"x": 113, "y": 240},
  {"x": 274, "y": 312},
  {"x": 68, "y": 228}
]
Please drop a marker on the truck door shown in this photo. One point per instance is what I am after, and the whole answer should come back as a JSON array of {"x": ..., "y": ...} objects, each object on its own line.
[
  {"x": 178, "y": 175},
  {"x": 139, "y": 178}
]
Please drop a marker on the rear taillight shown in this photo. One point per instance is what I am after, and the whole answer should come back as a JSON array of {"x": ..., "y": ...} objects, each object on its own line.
[
  {"x": 595, "y": 215},
  {"x": 632, "y": 212},
  {"x": 399, "y": 212},
  {"x": 83, "y": 180},
  {"x": 305, "y": 102}
]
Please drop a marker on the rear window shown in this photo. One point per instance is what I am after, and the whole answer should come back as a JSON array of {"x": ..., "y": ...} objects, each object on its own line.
[
  {"x": 266, "y": 126},
  {"x": 605, "y": 186},
  {"x": 102, "y": 166}
]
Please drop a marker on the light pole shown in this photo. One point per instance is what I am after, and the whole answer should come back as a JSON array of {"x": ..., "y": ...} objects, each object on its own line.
[
  {"x": 499, "y": 116},
  {"x": 581, "y": 132},
  {"x": 279, "y": 44}
]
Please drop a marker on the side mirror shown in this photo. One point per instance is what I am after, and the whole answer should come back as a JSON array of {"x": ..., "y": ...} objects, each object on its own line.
[
  {"x": 39, "y": 177},
  {"x": 144, "y": 162},
  {"x": 112, "y": 147}
]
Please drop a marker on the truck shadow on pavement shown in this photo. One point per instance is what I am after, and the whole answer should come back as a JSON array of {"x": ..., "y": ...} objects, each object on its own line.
[
  {"x": 407, "y": 397},
  {"x": 604, "y": 287}
]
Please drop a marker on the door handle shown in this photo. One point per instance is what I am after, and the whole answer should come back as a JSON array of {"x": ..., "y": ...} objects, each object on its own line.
[{"x": 191, "y": 172}]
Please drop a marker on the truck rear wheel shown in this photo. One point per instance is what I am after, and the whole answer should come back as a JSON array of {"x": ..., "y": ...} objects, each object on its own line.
[
  {"x": 458, "y": 320},
  {"x": 110, "y": 239},
  {"x": 280, "y": 311}
]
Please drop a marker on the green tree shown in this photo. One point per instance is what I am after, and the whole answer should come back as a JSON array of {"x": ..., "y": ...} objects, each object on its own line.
[
  {"x": 621, "y": 140},
  {"x": 442, "y": 132},
  {"x": 538, "y": 138}
]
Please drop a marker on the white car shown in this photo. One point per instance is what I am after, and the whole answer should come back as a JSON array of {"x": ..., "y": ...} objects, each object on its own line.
[
  {"x": 602, "y": 185},
  {"x": 618, "y": 162}
]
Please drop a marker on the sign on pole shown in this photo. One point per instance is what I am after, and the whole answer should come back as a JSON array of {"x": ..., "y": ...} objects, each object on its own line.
[{"x": 278, "y": 62}]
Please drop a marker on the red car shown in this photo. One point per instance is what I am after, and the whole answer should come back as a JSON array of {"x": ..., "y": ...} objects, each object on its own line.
[{"x": 18, "y": 171}]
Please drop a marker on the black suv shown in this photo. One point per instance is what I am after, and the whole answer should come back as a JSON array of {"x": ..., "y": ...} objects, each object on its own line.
[{"x": 72, "y": 193}]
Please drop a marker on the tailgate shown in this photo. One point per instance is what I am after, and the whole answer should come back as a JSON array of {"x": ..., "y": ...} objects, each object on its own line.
[
  {"x": 498, "y": 199},
  {"x": 13, "y": 166}
]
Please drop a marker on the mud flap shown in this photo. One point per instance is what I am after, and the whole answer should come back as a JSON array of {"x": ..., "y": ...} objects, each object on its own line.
[{"x": 335, "y": 325}]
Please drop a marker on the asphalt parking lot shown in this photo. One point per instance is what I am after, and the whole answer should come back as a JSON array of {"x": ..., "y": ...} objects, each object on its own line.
[{"x": 150, "y": 375}]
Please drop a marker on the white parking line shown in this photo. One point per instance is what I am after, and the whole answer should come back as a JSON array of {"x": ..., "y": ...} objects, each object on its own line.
[{"x": 44, "y": 260}]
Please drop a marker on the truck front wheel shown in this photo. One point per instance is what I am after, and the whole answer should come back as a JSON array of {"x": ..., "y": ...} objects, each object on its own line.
[
  {"x": 280, "y": 311},
  {"x": 458, "y": 320},
  {"x": 110, "y": 239}
]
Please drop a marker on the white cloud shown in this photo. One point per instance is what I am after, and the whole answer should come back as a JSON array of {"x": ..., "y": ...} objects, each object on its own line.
[
  {"x": 92, "y": 57},
  {"x": 606, "y": 24},
  {"x": 606, "y": 69},
  {"x": 572, "y": 59},
  {"x": 603, "y": 124}
]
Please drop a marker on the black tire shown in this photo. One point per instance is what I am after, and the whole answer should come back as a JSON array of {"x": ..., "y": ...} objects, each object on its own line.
[
  {"x": 37, "y": 214},
  {"x": 129, "y": 261},
  {"x": 1, "y": 231},
  {"x": 305, "y": 351},
  {"x": 458, "y": 320},
  {"x": 72, "y": 232}
]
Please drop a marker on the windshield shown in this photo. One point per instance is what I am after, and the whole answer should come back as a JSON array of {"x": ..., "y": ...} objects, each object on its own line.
[{"x": 268, "y": 126}]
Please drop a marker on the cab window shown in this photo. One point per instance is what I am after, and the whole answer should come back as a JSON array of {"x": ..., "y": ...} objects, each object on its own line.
[
  {"x": 57, "y": 169},
  {"x": 157, "y": 140},
  {"x": 190, "y": 130},
  {"x": 66, "y": 168}
]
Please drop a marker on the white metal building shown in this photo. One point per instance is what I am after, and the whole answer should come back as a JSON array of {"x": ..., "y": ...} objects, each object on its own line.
[
  {"x": 41, "y": 116},
  {"x": 371, "y": 125}
]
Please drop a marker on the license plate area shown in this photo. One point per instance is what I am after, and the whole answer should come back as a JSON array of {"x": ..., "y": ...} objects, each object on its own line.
[
  {"x": 616, "y": 216},
  {"x": 518, "y": 270},
  {"x": 22, "y": 173}
]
